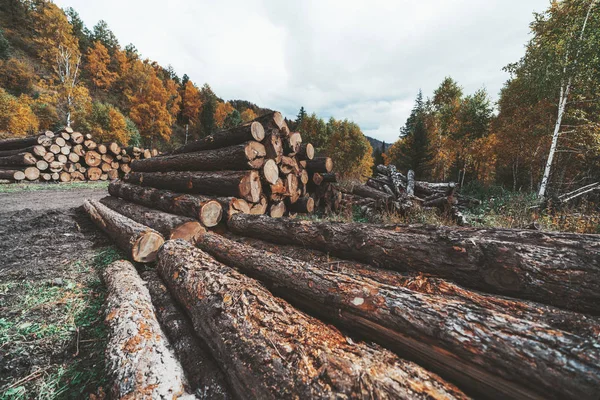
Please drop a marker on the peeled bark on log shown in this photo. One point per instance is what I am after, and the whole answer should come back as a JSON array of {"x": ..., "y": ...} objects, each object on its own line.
[
  {"x": 138, "y": 241},
  {"x": 552, "y": 268},
  {"x": 470, "y": 344},
  {"x": 206, "y": 380},
  {"x": 306, "y": 152},
  {"x": 204, "y": 209},
  {"x": 303, "y": 205},
  {"x": 319, "y": 164},
  {"x": 32, "y": 173},
  {"x": 19, "y": 143},
  {"x": 270, "y": 350},
  {"x": 230, "y": 137},
  {"x": 249, "y": 155},
  {"x": 93, "y": 173},
  {"x": 11, "y": 174},
  {"x": 18, "y": 160},
  {"x": 270, "y": 172},
  {"x": 243, "y": 184},
  {"x": 139, "y": 361},
  {"x": 274, "y": 146},
  {"x": 277, "y": 210}
]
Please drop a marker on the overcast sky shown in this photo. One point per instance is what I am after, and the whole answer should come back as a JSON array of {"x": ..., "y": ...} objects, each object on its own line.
[{"x": 360, "y": 60}]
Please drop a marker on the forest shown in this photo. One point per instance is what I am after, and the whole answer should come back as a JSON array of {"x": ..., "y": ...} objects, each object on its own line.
[{"x": 541, "y": 138}]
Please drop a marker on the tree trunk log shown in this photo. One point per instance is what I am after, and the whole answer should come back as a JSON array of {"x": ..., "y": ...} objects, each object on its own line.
[
  {"x": 230, "y": 137},
  {"x": 249, "y": 155},
  {"x": 272, "y": 121},
  {"x": 11, "y": 174},
  {"x": 274, "y": 146},
  {"x": 243, "y": 184},
  {"x": 470, "y": 345},
  {"x": 306, "y": 152},
  {"x": 232, "y": 206},
  {"x": 18, "y": 160},
  {"x": 18, "y": 143},
  {"x": 369, "y": 192},
  {"x": 319, "y": 164},
  {"x": 553, "y": 268},
  {"x": 269, "y": 350},
  {"x": 138, "y": 241},
  {"x": 93, "y": 173},
  {"x": 303, "y": 205},
  {"x": 205, "y": 377},
  {"x": 139, "y": 361},
  {"x": 171, "y": 226},
  {"x": 205, "y": 209},
  {"x": 32, "y": 173}
]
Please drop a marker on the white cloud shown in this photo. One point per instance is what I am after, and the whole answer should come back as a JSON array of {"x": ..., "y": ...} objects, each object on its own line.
[{"x": 360, "y": 60}]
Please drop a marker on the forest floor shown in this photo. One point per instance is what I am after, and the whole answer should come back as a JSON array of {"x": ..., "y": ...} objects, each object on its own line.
[{"x": 52, "y": 335}]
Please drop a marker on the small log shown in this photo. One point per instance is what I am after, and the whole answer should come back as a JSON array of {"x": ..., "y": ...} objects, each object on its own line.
[
  {"x": 138, "y": 241},
  {"x": 171, "y": 226},
  {"x": 369, "y": 192},
  {"x": 306, "y": 152},
  {"x": 243, "y": 184},
  {"x": 68, "y": 129},
  {"x": 59, "y": 141},
  {"x": 113, "y": 174},
  {"x": 521, "y": 263},
  {"x": 32, "y": 173},
  {"x": 238, "y": 318},
  {"x": 78, "y": 149},
  {"x": 114, "y": 165},
  {"x": 139, "y": 361},
  {"x": 18, "y": 143},
  {"x": 205, "y": 209},
  {"x": 92, "y": 158},
  {"x": 105, "y": 167},
  {"x": 289, "y": 165},
  {"x": 49, "y": 157},
  {"x": 114, "y": 148},
  {"x": 147, "y": 153},
  {"x": 46, "y": 177},
  {"x": 292, "y": 143},
  {"x": 277, "y": 210},
  {"x": 88, "y": 136},
  {"x": 230, "y": 137},
  {"x": 62, "y": 158},
  {"x": 65, "y": 135},
  {"x": 44, "y": 141},
  {"x": 410, "y": 183},
  {"x": 125, "y": 168},
  {"x": 77, "y": 176},
  {"x": 90, "y": 144},
  {"x": 205, "y": 378},
  {"x": 249, "y": 155},
  {"x": 18, "y": 160},
  {"x": 277, "y": 192},
  {"x": 108, "y": 158},
  {"x": 73, "y": 157},
  {"x": 70, "y": 167},
  {"x": 319, "y": 164},
  {"x": 65, "y": 177},
  {"x": 56, "y": 166},
  {"x": 77, "y": 138},
  {"x": 55, "y": 176},
  {"x": 42, "y": 165},
  {"x": 55, "y": 149},
  {"x": 93, "y": 173},
  {"x": 101, "y": 149},
  {"x": 37, "y": 150},
  {"x": 325, "y": 178},
  {"x": 303, "y": 205}
]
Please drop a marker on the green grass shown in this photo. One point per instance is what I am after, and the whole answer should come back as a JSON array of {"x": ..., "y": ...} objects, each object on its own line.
[
  {"x": 28, "y": 187},
  {"x": 61, "y": 325}
]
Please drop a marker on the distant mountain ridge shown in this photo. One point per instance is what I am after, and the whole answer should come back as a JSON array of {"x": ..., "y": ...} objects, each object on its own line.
[{"x": 376, "y": 144}]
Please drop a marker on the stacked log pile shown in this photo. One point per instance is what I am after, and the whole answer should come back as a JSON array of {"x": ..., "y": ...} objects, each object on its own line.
[
  {"x": 256, "y": 168},
  {"x": 65, "y": 156},
  {"x": 391, "y": 190}
]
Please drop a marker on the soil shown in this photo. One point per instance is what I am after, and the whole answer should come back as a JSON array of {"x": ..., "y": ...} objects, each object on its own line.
[{"x": 46, "y": 241}]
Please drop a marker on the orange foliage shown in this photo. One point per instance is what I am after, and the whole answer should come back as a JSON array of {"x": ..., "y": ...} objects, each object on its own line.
[
  {"x": 52, "y": 31},
  {"x": 16, "y": 116},
  {"x": 16, "y": 76},
  {"x": 221, "y": 112},
  {"x": 248, "y": 115},
  {"x": 98, "y": 61},
  {"x": 191, "y": 103}
]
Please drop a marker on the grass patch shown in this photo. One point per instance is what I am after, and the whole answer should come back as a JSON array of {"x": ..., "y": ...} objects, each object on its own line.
[
  {"x": 34, "y": 186},
  {"x": 52, "y": 332}
]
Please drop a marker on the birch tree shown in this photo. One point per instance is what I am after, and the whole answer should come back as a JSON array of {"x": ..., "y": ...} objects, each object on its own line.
[{"x": 71, "y": 96}]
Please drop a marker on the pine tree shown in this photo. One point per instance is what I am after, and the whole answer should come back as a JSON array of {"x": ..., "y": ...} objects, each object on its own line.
[
  {"x": 4, "y": 46},
  {"x": 414, "y": 148},
  {"x": 301, "y": 115}
]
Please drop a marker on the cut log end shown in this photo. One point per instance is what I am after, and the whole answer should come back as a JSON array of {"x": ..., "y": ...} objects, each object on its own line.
[
  {"x": 250, "y": 187},
  {"x": 271, "y": 172},
  {"x": 146, "y": 247},
  {"x": 277, "y": 210},
  {"x": 257, "y": 131},
  {"x": 211, "y": 213},
  {"x": 189, "y": 231},
  {"x": 255, "y": 153}
]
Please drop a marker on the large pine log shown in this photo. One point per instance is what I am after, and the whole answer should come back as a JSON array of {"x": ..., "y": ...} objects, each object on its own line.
[
  {"x": 319, "y": 164},
  {"x": 269, "y": 350},
  {"x": 230, "y": 137},
  {"x": 171, "y": 226},
  {"x": 37, "y": 149},
  {"x": 471, "y": 345},
  {"x": 138, "y": 241},
  {"x": 272, "y": 121},
  {"x": 204, "y": 209},
  {"x": 243, "y": 184},
  {"x": 139, "y": 361},
  {"x": 249, "y": 155},
  {"x": 18, "y": 143},
  {"x": 32, "y": 173},
  {"x": 18, "y": 160},
  {"x": 205, "y": 377},
  {"x": 553, "y": 268}
]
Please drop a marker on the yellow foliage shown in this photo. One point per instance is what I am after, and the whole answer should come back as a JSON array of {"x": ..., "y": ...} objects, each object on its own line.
[
  {"x": 16, "y": 116},
  {"x": 174, "y": 99},
  {"x": 97, "y": 64},
  {"x": 191, "y": 103},
  {"x": 248, "y": 115},
  {"x": 221, "y": 112},
  {"x": 52, "y": 31},
  {"x": 350, "y": 150},
  {"x": 16, "y": 76}
]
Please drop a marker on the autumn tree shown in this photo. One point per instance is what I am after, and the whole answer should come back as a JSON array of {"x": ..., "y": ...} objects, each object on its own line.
[
  {"x": 349, "y": 149},
  {"x": 83, "y": 34},
  {"x": 97, "y": 66},
  {"x": 314, "y": 130},
  {"x": 106, "y": 123},
  {"x": 4, "y": 46},
  {"x": 102, "y": 33},
  {"x": 248, "y": 115},
  {"x": 53, "y": 34},
  {"x": 17, "y": 76},
  {"x": 191, "y": 106},
  {"x": 16, "y": 116},
  {"x": 222, "y": 110}
]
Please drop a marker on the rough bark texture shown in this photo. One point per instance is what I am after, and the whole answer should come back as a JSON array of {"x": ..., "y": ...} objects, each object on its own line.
[
  {"x": 272, "y": 121},
  {"x": 244, "y": 184},
  {"x": 306, "y": 152},
  {"x": 18, "y": 159},
  {"x": 303, "y": 205},
  {"x": 490, "y": 353},
  {"x": 237, "y": 135},
  {"x": 206, "y": 380},
  {"x": 319, "y": 164},
  {"x": 11, "y": 174},
  {"x": 250, "y": 155},
  {"x": 205, "y": 209},
  {"x": 13, "y": 144},
  {"x": 552, "y": 268},
  {"x": 139, "y": 363},
  {"x": 138, "y": 241},
  {"x": 269, "y": 350},
  {"x": 171, "y": 226}
]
